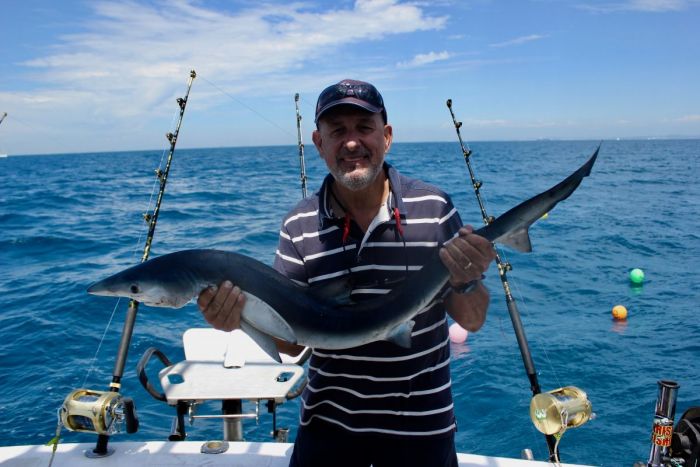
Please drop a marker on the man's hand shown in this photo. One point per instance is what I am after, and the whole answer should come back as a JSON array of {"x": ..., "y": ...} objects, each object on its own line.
[
  {"x": 467, "y": 256},
  {"x": 222, "y": 306}
]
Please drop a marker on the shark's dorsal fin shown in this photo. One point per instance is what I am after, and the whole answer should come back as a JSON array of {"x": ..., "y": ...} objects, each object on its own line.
[{"x": 518, "y": 240}]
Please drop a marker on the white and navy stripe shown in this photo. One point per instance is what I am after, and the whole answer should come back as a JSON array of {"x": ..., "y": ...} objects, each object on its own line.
[{"x": 379, "y": 387}]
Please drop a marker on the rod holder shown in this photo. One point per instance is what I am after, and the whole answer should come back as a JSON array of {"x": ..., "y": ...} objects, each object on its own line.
[{"x": 662, "y": 427}]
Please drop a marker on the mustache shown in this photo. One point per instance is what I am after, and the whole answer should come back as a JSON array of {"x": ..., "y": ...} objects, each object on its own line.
[{"x": 353, "y": 155}]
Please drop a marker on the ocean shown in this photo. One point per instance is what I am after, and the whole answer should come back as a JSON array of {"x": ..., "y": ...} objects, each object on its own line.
[{"x": 67, "y": 220}]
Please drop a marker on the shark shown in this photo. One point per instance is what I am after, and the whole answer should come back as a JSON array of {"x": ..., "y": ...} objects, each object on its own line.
[{"x": 319, "y": 316}]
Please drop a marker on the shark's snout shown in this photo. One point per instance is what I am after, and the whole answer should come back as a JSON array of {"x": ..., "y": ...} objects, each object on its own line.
[
  {"x": 97, "y": 288},
  {"x": 108, "y": 288}
]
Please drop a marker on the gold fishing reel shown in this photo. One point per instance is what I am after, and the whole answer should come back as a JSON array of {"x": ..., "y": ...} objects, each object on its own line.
[
  {"x": 100, "y": 412},
  {"x": 557, "y": 410}
]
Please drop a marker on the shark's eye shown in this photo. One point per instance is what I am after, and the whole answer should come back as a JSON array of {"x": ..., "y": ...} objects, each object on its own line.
[{"x": 134, "y": 288}]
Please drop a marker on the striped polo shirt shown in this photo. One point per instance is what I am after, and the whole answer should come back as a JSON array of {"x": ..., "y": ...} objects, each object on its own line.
[{"x": 377, "y": 388}]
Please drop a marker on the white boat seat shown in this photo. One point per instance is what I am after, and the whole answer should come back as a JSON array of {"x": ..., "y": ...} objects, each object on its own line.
[
  {"x": 212, "y": 344},
  {"x": 222, "y": 365}
]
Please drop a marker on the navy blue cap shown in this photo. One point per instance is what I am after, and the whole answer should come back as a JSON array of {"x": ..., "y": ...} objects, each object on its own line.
[{"x": 353, "y": 92}]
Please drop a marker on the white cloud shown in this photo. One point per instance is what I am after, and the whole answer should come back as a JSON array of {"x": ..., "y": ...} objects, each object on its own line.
[
  {"x": 131, "y": 59},
  {"x": 424, "y": 59},
  {"x": 688, "y": 119},
  {"x": 145, "y": 52},
  {"x": 488, "y": 122},
  {"x": 653, "y": 6},
  {"x": 656, "y": 5},
  {"x": 133, "y": 43},
  {"x": 519, "y": 40}
]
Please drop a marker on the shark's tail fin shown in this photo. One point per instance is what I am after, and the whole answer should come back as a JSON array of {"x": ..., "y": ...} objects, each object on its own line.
[{"x": 522, "y": 216}]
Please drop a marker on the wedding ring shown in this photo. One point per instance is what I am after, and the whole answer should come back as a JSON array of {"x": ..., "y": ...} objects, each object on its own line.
[{"x": 468, "y": 266}]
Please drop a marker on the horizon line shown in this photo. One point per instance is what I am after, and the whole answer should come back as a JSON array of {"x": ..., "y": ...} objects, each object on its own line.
[{"x": 515, "y": 140}]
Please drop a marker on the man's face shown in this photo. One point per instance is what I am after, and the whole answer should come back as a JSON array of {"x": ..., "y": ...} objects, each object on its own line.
[{"x": 353, "y": 143}]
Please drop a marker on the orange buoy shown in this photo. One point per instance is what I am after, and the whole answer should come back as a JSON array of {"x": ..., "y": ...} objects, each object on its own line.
[{"x": 619, "y": 312}]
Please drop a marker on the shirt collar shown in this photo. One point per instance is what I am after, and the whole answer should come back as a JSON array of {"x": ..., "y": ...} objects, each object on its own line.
[{"x": 395, "y": 200}]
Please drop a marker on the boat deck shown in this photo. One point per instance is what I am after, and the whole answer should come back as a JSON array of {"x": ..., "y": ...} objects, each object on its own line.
[{"x": 187, "y": 453}]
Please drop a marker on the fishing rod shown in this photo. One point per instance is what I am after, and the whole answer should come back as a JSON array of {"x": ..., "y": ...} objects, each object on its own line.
[
  {"x": 4, "y": 114},
  {"x": 503, "y": 268},
  {"x": 98, "y": 411},
  {"x": 302, "y": 167}
]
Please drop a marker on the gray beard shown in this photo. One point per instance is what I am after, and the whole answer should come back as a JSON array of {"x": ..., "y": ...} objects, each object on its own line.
[{"x": 356, "y": 182}]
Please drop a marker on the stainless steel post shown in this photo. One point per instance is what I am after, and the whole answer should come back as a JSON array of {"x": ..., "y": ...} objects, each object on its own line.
[
  {"x": 233, "y": 427},
  {"x": 662, "y": 429}
]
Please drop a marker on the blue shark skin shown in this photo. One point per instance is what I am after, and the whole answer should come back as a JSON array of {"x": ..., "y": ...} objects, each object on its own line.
[{"x": 304, "y": 315}]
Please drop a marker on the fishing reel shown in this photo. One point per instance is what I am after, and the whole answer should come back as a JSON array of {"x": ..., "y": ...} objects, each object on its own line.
[
  {"x": 685, "y": 441},
  {"x": 99, "y": 412},
  {"x": 555, "y": 411}
]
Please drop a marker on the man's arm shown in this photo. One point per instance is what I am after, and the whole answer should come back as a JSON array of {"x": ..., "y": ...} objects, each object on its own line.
[
  {"x": 467, "y": 257},
  {"x": 469, "y": 310}
]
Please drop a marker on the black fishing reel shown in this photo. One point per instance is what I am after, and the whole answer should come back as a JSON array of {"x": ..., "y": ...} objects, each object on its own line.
[{"x": 685, "y": 442}]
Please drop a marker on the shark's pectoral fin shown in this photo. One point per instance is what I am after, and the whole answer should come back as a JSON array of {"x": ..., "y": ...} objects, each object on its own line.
[
  {"x": 401, "y": 334},
  {"x": 264, "y": 318},
  {"x": 264, "y": 341},
  {"x": 518, "y": 240}
]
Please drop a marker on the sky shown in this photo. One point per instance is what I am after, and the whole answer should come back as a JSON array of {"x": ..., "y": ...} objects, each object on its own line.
[{"x": 92, "y": 76}]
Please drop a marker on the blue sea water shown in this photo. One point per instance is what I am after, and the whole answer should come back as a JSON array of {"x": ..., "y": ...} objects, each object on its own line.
[{"x": 69, "y": 219}]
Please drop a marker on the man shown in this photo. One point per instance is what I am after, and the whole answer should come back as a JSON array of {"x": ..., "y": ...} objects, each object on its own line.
[{"x": 378, "y": 404}]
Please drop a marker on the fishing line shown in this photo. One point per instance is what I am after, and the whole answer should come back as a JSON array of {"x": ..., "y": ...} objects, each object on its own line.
[
  {"x": 503, "y": 268},
  {"x": 99, "y": 345},
  {"x": 13, "y": 118},
  {"x": 247, "y": 107},
  {"x": 534, "y": 434},
  {"x": 105, "y": 420},
  {"x": 134, "y": 252},
  {"x": 311, "y": 107},
  {"x": 502, "y": 254},
  {"x": 517, "y": 290},
  {"x": 127, "y": 411},
  {"x": 543, "y": 349},
  {"x": 551, "y": 412}
]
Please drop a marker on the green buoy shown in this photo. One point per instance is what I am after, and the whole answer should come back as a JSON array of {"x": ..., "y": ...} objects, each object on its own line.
[{"x": 636, "y": 276}]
